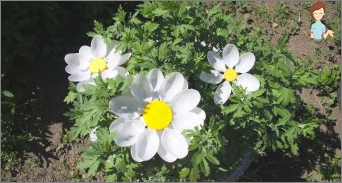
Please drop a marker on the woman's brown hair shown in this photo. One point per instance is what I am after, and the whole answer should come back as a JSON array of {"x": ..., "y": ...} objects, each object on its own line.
[{"x": 316, "y": 6}]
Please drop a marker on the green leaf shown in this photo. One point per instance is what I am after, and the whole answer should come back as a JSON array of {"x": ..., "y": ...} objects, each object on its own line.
[
  {"x": 160, "y": 12},
  {"x": 134, "y": 19},
  {"x": 222, "y": 32},
  {"x": 194, "y": 174},
  {"x": 70, "y": 97},
  {"x": 212, "y": 159},
  {"x": 184, "y": 172},
  {"x": 215, "y": 9},
  {"x": 288, "y": 96},
  {"x": 163, "y": 50},
  {"x": 182, "y": 9},
  {"x": 150, "y": 27},
  {"x": 176, "y": 41},
  {"x": 188, "y": 27},
  {"x": 74, "y": 131},
  {"x": 258, "y": 92},
  {"x": 86, "y": 163},
  {"x": 282, "y": 112},
  {"x": 93, "y": 168},
  {"x": 102, "y": 134},
  {"x": 111, "y": 178},
  {"x": 205, "y": 167},
  {"x": 109, "y": 163},
  {"x": 176, "y": 31},
  {"x": 294, "y": 149},
  {"x": 89, "y": 154},
  {"x": 279, "y": 144},
  {"x": 230, "y": 108},
  {"x": 222, "y": 169},
  {"x": 8, "y": 94},
  {"x": 197, "y": 158}
]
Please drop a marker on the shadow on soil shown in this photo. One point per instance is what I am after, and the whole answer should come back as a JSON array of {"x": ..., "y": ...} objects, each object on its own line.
[
  {"x": 35, "y": 38},
  {"x": 280, "y": 167}
]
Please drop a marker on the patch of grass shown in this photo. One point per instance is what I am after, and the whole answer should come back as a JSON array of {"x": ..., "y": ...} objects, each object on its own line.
[
  {"x": 58, "y": 164},
  {"x": 32, "y": 162},
  {"x": 8, "y": 158},
  {"x": 73, "y": 177},
  {"x": 281, "y": 14},
  {"x": 329, "y": 78},
  {"x": 262, "y": 12},
  {"x": 331, "y": 171},
  {"x": 64, "y": 141}
]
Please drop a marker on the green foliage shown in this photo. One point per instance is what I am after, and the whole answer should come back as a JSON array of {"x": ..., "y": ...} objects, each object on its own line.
[
  {"x": 92, "y": 110},
  {"x": 329, "y": 77},
  {"x": 175, "y": 36},
  {"x": 282, "y": 13},
  {"x": 331, "y": 171},
  {"x": 207, "y": 143}
]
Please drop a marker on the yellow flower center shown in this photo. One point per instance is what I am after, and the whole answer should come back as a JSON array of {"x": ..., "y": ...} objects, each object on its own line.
[
  {"x": 97, "y": 65},
  {"x": 230, "y": 74},
  {"x": 157, "y": 115}
]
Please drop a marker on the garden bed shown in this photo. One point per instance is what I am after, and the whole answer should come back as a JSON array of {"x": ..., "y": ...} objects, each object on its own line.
[{"x": 51, "y": 157}]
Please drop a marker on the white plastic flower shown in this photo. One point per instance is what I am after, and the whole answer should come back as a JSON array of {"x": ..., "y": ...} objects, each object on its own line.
[
  {"x": 227, "y": 68},
  {"x": 92, "y": 135},
  {"x": 153, "y": 116},
  {"x": 99, "y": 58}
]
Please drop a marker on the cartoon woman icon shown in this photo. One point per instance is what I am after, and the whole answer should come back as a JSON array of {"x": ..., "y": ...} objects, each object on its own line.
[{"x": 318, "y": 29}]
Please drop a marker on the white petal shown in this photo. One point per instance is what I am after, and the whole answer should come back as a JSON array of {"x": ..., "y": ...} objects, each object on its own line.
[
  {"x": 222, "y": 93},
  {"x": 199, "y": 112},
  {"x": 109, "y": 74},
  {"x": 147, "y": 144},
  {"x": 117, "y": 124},
  {"x": 77, "y": 60},
  {"x": 156, "y": 78},
  {"x": 113, "y": 60},
  {"x": 79, "y": 86},
  {"x": 230, "y": 55},
  {"x": 135, "y": 155},
  {"x": 86, "y": 52},
  {"x": 203, "y": 43},
  {"x": 185, "y": 85},
  {"x": 122, "y": 71},
  {"x": 71, "y": 70},
  {"x": 124, "y": 58},
  {"x": 140, "y": 122},
  {"x": 141, "y": 88},
  {"x": 125, "y": 106},
  {"x": 79, "y": 76},
  {"x": 216, "y": 61},
  {"x": 111, "y": 47},
  {"x": 98, "y": 47},
  {"x": 248, "y": 81},
  {"x": 72, "y": 59},
  {"x": 216, "y": 49},
  {"x": 166, "y": 156},
  {"x": 185, "y": 100},
  {"x": 214, "y": 77},
  {"x": 246, "y": 63},
  {"x": 187, "y": 120},
  {"x": 128, "y": 134},
  {"x": 174, "y": 143},
  {"x": 172, "y": 85},
  {"x": 127, "y": 93}
]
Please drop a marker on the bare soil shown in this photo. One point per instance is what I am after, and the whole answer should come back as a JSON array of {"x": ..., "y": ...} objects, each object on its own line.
[{"x": 52, "y": 159}]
